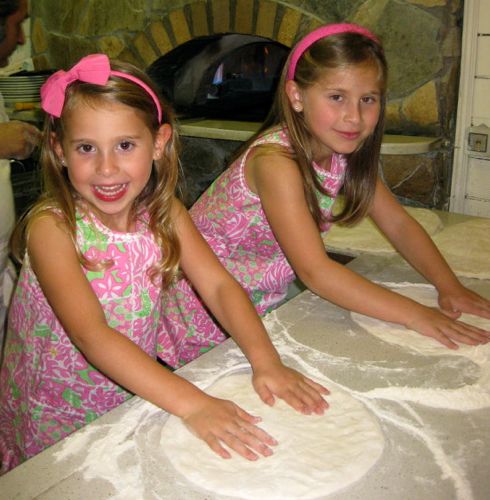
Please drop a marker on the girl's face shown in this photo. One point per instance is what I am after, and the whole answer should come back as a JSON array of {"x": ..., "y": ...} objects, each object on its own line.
[
  {"x": 108, "y": 151},
  {"x": 340, "y": 110}
]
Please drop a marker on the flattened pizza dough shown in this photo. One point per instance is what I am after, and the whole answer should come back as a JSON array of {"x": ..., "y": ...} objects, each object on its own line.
[
  {"x": 316, "y": 455},
  {"x": 466, "y": 247},
  {"x": 399, "y": 335},
  {"x": 365, "y": 237}
]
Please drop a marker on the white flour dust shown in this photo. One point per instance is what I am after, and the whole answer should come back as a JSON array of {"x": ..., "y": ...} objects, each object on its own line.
[
  {"x": 465, "y": 398},
  {"x": 388, "y": 403},
  {"x": 127, "y": 453}
]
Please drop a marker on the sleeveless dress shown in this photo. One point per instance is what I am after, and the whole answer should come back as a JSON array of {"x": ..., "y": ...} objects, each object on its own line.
[
  {"x": 231, "y": 219},
  {"x": 47, "y": 387}
]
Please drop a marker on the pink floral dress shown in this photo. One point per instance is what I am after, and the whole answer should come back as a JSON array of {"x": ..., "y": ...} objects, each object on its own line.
[
  {"x": 48, "y": 388},
  {"x": 231, "y": 219}
]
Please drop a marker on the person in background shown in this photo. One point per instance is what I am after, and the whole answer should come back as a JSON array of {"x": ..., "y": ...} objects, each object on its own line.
[
  {"x": 264, "y": 216},
  {"x": 105, "y": 238},
  {"x": 17, "y": 141}
]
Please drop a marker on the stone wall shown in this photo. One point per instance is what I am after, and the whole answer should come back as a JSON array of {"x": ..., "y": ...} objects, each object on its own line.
[{"x": 422, "y": 41}]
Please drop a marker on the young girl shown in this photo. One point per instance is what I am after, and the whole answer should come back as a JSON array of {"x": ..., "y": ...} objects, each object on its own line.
[
  {"x": 264, "y": 215},
  {"x": 103, "y": 240}
]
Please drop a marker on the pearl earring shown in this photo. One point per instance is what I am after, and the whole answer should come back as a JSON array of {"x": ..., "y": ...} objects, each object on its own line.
[{"x": 297, "y": 107}]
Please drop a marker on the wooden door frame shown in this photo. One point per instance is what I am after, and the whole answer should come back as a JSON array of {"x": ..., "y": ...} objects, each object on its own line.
[{"x": 465, "y": 104}]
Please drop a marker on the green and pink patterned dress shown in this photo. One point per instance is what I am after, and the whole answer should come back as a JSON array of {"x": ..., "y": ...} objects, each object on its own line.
[
  {"x": 47, "y": 387},
  {"x": 231, "y": 219}
]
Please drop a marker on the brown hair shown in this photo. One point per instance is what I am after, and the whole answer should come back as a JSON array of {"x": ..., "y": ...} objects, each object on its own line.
[
  {"x": 332, "y": 52},
  {"x": 158, "y": 195}
]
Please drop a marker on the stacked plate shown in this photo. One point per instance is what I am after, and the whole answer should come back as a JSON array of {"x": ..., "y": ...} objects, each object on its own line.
[{"x": 22, "y": 88}]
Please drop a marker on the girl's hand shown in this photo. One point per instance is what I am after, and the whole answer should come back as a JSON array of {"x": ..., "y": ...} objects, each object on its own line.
[
  {"x": 300, "y": 392},
  {"x": 219, "y": 422},
  {"x": 435, "y": 323},
  {"x": 463, "y": 300}
]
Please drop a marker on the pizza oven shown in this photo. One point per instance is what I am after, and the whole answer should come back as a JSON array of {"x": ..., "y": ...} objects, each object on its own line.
[{"x": 229, "y": 76}]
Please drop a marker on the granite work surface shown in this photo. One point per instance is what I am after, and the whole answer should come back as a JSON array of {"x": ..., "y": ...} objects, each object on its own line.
[{"x": 432, "y": 451}]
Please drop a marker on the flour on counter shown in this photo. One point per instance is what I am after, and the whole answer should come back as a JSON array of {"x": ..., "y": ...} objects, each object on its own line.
[
  {"x": 398, "y": 334},
  {"x": 130, "y": 456},
  {"x": 316, "y": 454},
  {"x": 468, "y": 397}
]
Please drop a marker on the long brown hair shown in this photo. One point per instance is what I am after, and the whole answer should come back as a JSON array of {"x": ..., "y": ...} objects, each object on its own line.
[
  {"x": 330, "y": 53},
  {"x": 157, "y": 196}
]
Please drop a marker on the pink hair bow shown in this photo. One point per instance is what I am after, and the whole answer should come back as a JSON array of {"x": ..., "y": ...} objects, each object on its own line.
[{"x": 94, "y": 68}]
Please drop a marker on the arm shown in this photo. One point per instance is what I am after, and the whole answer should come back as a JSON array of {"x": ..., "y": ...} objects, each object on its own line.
[
  {"x": 278, "y": 182},
  {"x": 58, "y": 270},
  {"x": 416, "y": 246},
  {"x": 231, "y": 306},
  {"x": 18, "y": 139}
]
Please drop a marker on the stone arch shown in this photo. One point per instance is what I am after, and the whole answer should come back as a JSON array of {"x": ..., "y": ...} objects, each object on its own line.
[{"x": 267, "y": 18}]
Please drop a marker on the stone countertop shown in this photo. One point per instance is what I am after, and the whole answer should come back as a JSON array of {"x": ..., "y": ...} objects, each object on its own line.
[
  {"x": 431, "y": 452},
  {"x": 241, "y": 131}
]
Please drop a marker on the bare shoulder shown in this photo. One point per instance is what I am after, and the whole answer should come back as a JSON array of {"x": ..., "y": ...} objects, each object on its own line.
[
  {"x": 183, "y": 223},
  {"x": 46, "y": 225},
  {"x": 272, "y": 167},
  {"x": 48, "y": 234},
  {"x": 178, "y": 212}
]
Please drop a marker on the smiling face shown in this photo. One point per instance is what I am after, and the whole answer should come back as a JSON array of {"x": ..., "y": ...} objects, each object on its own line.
[
  {"x": 108, "y": 151},
  {"x": 14, "y": 33},
  {"x": 341, "y": 109}
]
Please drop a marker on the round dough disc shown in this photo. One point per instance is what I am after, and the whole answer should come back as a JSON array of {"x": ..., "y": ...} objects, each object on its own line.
[
  {"x": 466, "y": 247},
  {"x": 365, "y": 237},
  {"x": 399, "y": 335},
  {"x": 316, "y": 455}
]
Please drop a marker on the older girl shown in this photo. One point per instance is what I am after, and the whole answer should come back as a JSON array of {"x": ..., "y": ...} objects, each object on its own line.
[{"x": 264, "y": 215}]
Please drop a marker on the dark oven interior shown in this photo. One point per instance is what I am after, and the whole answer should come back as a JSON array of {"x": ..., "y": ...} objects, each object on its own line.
[{"x": 230, "y": 76}]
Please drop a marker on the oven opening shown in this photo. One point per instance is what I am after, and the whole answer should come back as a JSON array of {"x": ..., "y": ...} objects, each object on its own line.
[{"x": 228, "y": 76}]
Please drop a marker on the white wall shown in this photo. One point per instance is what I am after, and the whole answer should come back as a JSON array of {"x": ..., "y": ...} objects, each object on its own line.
[
  {"x": 470, "y": 188},
  {"x": 481, "y": 100}
]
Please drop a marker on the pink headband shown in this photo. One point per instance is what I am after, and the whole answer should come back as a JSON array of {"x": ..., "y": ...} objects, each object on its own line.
[
  {"x": 95, "y": 69},
  {"x": 323, "y": 32}
]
